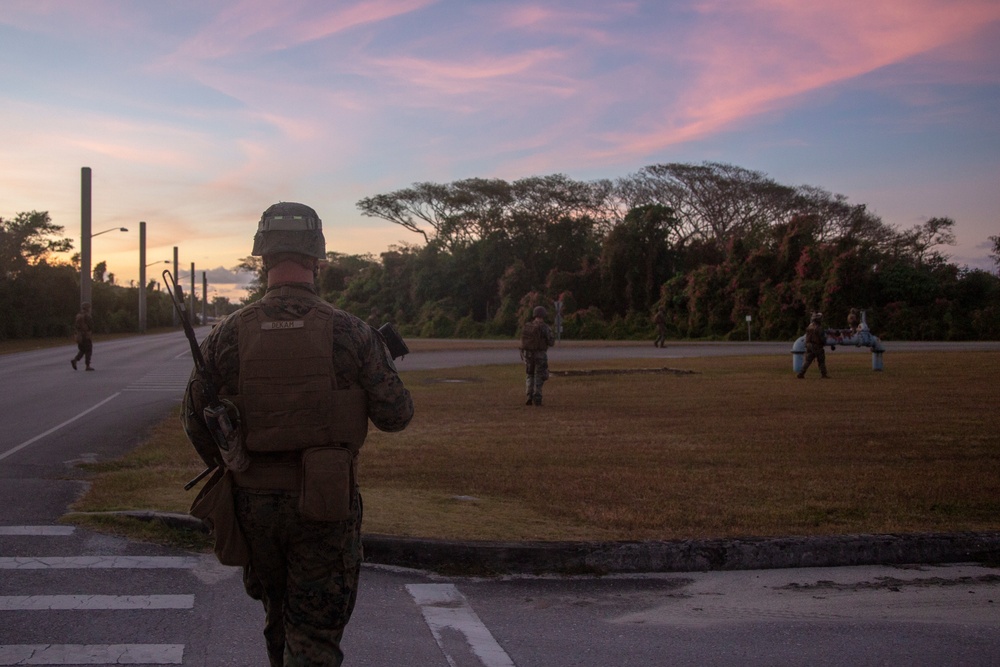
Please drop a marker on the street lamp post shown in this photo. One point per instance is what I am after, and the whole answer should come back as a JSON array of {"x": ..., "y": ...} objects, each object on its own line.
[
  {"x": 204, "y": 297},
  {"x": 86, "y": 236},
  {"x": 173, "y": 311},
  {"x": 142, "y": 277}
]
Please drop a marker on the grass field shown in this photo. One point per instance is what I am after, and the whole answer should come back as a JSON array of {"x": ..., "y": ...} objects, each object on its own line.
[{"x": 728, "y": 447}]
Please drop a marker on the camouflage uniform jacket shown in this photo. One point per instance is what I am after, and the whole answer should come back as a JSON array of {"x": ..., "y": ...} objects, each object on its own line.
[
  {"x": 83, "y": 324},
  {"x": 360, "y": 358},
  {"x": 815, "y": 337}
]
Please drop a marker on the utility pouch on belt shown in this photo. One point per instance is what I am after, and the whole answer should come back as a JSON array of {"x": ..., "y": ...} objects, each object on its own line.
[
  {"x": 216, "y": 507},
  {"x": 327, "y": 483}
]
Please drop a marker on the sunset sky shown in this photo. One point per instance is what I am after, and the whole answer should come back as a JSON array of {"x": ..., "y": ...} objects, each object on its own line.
[{"x": 196, "y": 115}]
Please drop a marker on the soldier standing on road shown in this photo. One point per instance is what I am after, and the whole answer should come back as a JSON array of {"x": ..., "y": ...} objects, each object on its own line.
[
  {"x": 306, "y": 378},
  {"x": 660, "y": 320},
  {"x": 536, "y": 339},
  {"x": 815, "y": 342},
  {"x": 83, "y": 326}
]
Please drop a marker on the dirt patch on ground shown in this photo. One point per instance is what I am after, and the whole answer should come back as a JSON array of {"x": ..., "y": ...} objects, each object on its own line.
[{"x": 624, "y": 371}]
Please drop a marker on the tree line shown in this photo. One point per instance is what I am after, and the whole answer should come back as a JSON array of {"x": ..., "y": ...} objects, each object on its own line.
[
  {"x": 39, "y": 295},
  {"x": 710, "y": 243}
]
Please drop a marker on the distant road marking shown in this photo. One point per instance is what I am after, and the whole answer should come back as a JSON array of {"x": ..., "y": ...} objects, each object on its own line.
[
  {"x": 97, "y": 562},
  {"x": 56, "y": 428},
  {"x": 92, "y": 654},
  {"x": 165, "y": 380},
  {"x": 91, "y": 602},
  {"x": 37, "y": 530},
  {"x": 445, "y": 608}
]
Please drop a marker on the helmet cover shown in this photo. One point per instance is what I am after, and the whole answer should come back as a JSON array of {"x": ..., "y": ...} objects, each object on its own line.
[{"x": 289, "y": 227}]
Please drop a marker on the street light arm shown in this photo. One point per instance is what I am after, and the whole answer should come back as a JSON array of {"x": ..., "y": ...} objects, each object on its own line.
[{"x": 113, "y": 229}]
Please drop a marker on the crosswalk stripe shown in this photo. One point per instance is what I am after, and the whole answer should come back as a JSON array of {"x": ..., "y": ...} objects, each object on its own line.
[
  {"x": 97, "y": 562},
  {"x": 37, "y": 530},
  {"x": 92, "y": 654},
  {"x": 91, "y": 602},
  {"x": 445, "y": 608}
]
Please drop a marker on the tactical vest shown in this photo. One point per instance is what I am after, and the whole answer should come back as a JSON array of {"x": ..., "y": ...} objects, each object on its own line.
[
  {"x": 533, "y": 336},
  {"x": 288, "y": 394}
]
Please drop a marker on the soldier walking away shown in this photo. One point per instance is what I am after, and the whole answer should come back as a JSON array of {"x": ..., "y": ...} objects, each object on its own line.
[
  {"x": 305, "y": 379},
  {"x": 660, "y": 320},
  {"x": 83, "y": 327},
  {"x": 815, "y": 342},
  {"x": 536, "y": 339}
]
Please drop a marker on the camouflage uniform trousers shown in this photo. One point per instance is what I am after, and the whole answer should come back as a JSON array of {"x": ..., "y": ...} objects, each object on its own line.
[
  {"x": 817, "y": 354},
  {"x": 306, "y": 574},
  {"x": 536, "y": 367}
]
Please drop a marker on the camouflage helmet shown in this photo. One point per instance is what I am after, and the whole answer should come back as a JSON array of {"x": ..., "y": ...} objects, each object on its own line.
[
  {"x": 289, "y": 227},
  {"x": 539, "y": 311}
]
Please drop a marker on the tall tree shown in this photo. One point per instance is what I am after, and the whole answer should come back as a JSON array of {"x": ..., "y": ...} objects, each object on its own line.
[
  {"x": 27, "y": 240},
  {"x": 635, "y": 260},
  {"x": 464, "y": 211}
]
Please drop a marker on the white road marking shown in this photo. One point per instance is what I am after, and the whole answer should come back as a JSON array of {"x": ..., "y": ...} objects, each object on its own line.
[
  {"x": 444, "y": 607},
  {"x": 97, "y": 562},
  {"x": 38, "y": 437},
  {"x": 91, "y": 602},
  {"x": 37, "y": 530},
  {"x": 92, "y": 654},
  {"x": 166, "y": 380}
]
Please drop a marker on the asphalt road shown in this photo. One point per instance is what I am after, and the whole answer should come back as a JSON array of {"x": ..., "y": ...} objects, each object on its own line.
[{"x": 71, "y": 596}]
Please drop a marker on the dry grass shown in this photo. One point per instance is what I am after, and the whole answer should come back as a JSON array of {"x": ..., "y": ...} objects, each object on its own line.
[{"x": 738, "y": 448}]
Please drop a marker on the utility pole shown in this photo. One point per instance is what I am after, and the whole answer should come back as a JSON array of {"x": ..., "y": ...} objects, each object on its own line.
[
  {"x": 173, "y": 311},
  {"x": 85, "y": 226},
  {"x": 142, "y": 277},
  {"x": 191, "y": 308},
  {"x": 204, "y": 297}
]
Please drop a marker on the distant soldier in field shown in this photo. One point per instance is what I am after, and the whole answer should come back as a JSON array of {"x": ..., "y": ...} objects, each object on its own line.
[
  {"x": 815, "y": 342},
  {"x": 536, "y": 339},
  {"x": 660, "y": 320},
  {"x": 853, "y": 321},
  {"x": 83, "y": 327}
]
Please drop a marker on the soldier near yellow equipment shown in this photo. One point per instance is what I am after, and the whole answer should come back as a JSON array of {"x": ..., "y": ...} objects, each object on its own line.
[
  {"x": 305, "y": 379},
  {"x": 536, "y": 339},
  {"x": 83, "y": 327},
  {"x": 815, "y": 342}
]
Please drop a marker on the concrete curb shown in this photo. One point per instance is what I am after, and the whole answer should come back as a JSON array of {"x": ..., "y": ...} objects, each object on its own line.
[
  {"x": 682, "y": 555},
  {"x": 762, "y": 553}
]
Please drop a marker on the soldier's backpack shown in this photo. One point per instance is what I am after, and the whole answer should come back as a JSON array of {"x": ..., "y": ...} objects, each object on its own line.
[{"x": 533, "y": 336}]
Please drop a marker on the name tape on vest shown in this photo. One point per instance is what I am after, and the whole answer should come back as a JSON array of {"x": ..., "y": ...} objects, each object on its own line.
[{"x": 282, "y": 324}]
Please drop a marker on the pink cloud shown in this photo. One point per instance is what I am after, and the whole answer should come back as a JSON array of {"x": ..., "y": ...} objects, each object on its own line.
[
  {"x": 524, "y": 69},
  {"x": 263, "y": 25},
  {"x": 751, "y": 57}
]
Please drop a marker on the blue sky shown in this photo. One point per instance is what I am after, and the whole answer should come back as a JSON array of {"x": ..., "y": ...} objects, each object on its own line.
[{"x": 195, "y": 116}]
